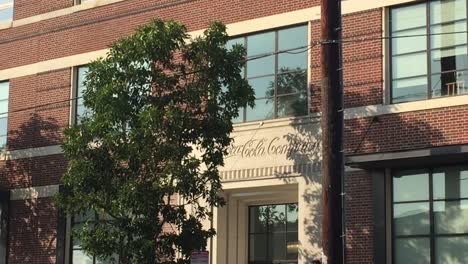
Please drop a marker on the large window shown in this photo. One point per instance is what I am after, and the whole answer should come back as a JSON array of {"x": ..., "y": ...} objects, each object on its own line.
[
  {"x": 276, "y": 68},
  {"x": 4, "y": 92},
  {"x": 434, "y": 63},
  {"x": 79, "y": 88},
  {"x": 6, "y": 11},
  {"x": 430, "y": 212},
  {"x": 273, "y": 236}
]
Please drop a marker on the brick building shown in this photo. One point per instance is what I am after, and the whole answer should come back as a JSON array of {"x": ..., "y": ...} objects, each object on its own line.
[{"x": 406, "y": 136}]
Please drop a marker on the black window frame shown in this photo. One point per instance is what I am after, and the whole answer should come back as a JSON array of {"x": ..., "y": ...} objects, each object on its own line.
[
  {"x": 428, "y": 51},
  {"x": 267, "y": 235},
  {"x": 432, "y": 234},
  {"x": 243, "y": 111}
]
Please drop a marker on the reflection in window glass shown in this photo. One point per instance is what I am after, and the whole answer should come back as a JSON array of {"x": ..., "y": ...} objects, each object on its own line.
[
  {"x": 4, "y": 93},
  {"x": 273, "y": 235},
  {"x": 443, "y": 63},
  {"x": 6, "y": 11},
  {"x": 429, "y": 215},
  {"x": 80, "y": 87},
  {"x": 278, "y": 73}
]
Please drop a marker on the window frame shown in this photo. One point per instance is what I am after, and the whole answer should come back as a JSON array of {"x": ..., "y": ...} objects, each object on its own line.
[
  {"x": 242, "y": 119},
  {"x": 432, "y": 236},
  {"x": 249, "y": 232},
  {"x": 428, "y": 49}
]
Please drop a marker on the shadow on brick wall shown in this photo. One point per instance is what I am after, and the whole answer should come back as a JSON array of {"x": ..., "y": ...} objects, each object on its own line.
[{"x": 33, "y": 222}]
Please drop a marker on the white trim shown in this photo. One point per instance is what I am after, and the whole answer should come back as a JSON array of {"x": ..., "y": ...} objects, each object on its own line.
[
  {"x": 34, "y": 192},
  {"x": 31, "y": 153},
  {"x": 377, "y": 110}
]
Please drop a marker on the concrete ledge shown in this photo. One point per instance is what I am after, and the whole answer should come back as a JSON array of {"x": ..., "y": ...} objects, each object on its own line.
[
  {"x": 34, "y": 192},
  {"x": 31, "y": 152}
]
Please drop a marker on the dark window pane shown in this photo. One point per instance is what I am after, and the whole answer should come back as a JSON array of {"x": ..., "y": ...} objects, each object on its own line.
[
  {"x": 405, "y": 182},
  {"x": 451, "y": 250},
  {"x": 449, "y": 84},
  {"x": 293, "y": 82},
  {"x": 277, "y": 217},
  {"x": 292, "y": 245},
  {"x": 444, "y": 11},
  {"x": 264, "y": 109},
  {"x": 291, "y": 38},
  {"x": 258, "y": 219},
  {"x": 260, "y": 67},
  {"x": 258, "y": 247},
  {"x": 412, "y": 250},
  {"x": 292, "y": 211},
  {"x": 292, "y": 105},
  {"x": 449, "y": 59},
  {"x": 277, "y": 246},
  {"x": 291, "y": 62},
  {"x": 451, "y": 217},
  {"x": 409, "y": 89},
  {"x": 450, "y": 183},
  {"x": 411, "y": 218},
  {"x": 263, "y": 86},
  {"x": 261, "y": 44}
]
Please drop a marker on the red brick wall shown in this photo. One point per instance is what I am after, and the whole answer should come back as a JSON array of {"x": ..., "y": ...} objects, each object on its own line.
[
  {"x": 359, "y": 219},
  {"x": 96, "y": 28},
  {"x": 406, "y": 131},
  {"x": 40, "y": 124},
  {"x": 32, "y": 227},
  {"x": 27, "y": 8}
]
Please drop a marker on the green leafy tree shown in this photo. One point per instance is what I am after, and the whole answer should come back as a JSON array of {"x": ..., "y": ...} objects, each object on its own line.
[{"x": 159, "y": 116}]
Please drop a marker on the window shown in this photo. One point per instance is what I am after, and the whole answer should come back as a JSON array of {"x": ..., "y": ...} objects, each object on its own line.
[
  {"x": 279, "y": 81},
  {"x": 4, "y": 93},
  {"x": 79, "y": 108},
  {"x": 6, "y": 11},
  {"x": 78, "y": 256},
  {"x": 430, "y": 209},
  {"x": 435, "y": 63},
  {"x": 78, "y": 2},
  {"x": 273, "y": 236}
]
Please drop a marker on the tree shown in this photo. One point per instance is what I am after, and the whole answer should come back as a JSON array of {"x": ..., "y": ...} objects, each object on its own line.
[{"x": 155, "y": 100}]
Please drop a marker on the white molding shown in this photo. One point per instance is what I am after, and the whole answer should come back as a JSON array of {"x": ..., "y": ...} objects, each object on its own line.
[
  {"x": 31, "y": 153},
  {"x": 377, "y": 110},
  {"x": 34, "y": 192}
]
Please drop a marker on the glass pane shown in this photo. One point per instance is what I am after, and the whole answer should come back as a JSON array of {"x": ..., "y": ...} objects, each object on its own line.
[
  {"x": 235, "y": 41},
  {"x": 277, "y": 246},
  {"x": 409, "y": 17},
  {"x": 447, "y": 40},
  {"x": 80, "y": 110},
  {"x": 409, "y": 44},
  {"x": 292, "y": 245},
  {"x": 261, "y": 44},
  {"x": 5, "y": 1},
  {"x": 293, "y": 82},
  {"x": 409, "y": 65},
  {"x": 6, "y": 15},
  {"x": 258, "y": 247},
  {"x": 412, "y": 250},
  {"x": 82, "y": 76},
  {"x": 449, "y": 59},
  {"x": 451, "y": 183},
  {"x": 277, "y": 217},
  {"x": 3, "y": 126},
  {"x": 411, "y": 219},
  {"x": 292, "y": 211},
  {"x": 4, "y": 90},
  {"x": 111, "y": 260},
  {"x": 443, "y": 11},
  {"x": 450, "y": 217},
  {"x": 79, "y": 257},
  {"x": 240, "y": 118},
  {"x": 263, "y": 86},
  {"x": 451, "y": 250},
  {"x": 258, "y": 219},
  {"x": 3, "y": 141},
  {"x": 409, "y": 89},
  {"x": 291, "y": 38},
  {"x": 262, "y": 66},
  {"x": 292, "y": 62},
  {"x": 264, "y": 109},
  {"x": 450, "y": 83},
  {"x": 3, "y": 108},
  {"x": 410, "y": 186},
  {"x": 292, "y": 105}
]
